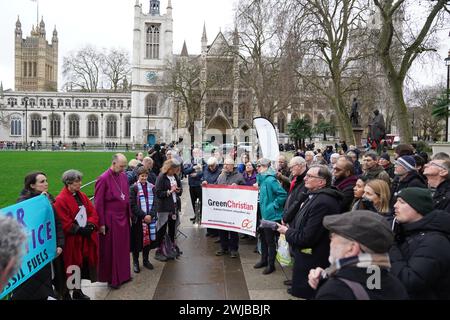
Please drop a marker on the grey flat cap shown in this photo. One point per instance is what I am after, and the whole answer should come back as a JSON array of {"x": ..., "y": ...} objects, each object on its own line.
[{"x": 366, "y": 227}]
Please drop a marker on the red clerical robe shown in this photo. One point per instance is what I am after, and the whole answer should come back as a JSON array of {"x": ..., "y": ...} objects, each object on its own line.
[
  {"x": 112, "y": 202},
  {"x": 76, "y": 246}
]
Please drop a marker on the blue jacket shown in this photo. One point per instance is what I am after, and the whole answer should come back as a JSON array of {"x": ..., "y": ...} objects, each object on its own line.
[
  {"x": 272, "y": 196},
  {"x": 211, "y": 176},
  {"x": 194, "y": 181}
]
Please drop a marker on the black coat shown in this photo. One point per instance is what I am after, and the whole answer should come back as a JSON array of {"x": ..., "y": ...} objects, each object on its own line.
[
  {"x": 346, "y": 185},
  {"x": 413, "y": 179},
  {"x": 137, "y": 215},
  {"x": 334, "y": 289},
  {"x": 308, "y": 238},
  {"x": 441, "y": 197},
  {"x": 39, "y": 286},
  {"x": 164, "y": 201},
  {"x": 295, "y": 199},
  {"x": 420, "y": 257}
]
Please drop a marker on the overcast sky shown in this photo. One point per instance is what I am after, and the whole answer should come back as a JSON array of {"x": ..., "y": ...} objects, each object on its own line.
[{"x": 109, "y": 23}]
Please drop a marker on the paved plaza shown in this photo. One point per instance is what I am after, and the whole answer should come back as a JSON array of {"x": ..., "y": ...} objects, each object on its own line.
[{"x": 198, "y": 274}]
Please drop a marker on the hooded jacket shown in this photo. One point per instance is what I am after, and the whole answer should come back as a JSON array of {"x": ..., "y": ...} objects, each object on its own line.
[
  {"x": 441, "y": 197},
  {"x": 420, "y": 257},
  {"x": 412, "y": 179},
  {"x": 272, "y": 196},
  {"x": 377, "y": 172}
]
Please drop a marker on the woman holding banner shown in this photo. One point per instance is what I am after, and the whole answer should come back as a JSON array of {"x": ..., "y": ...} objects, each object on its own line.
[
  {"x": 39, "y": 286},
  {"x": 143, "y": 219},
  {"x": 80, "y": 224},
  {"x": 272, "y": 197}
]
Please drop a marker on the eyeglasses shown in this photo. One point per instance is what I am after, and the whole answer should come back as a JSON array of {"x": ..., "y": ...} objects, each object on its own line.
[
  {"x": 437, "y": 165},
  {"x": 311, "y": 176}
]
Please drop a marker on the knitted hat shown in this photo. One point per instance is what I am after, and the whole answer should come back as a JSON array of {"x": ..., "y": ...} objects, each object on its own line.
[
  {"x": 419, "y": 199},
  {"x": 407, "y": 162},
  {"x": 385, "y": 156}
]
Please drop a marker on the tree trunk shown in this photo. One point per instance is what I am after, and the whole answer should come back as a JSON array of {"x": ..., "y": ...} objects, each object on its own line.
[
  {"x": 402, "y": 111},
  {"x": 344, "y": 120}
]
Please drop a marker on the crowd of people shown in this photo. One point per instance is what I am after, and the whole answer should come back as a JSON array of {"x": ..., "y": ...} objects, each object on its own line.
[{"x": 343, "y": 214}]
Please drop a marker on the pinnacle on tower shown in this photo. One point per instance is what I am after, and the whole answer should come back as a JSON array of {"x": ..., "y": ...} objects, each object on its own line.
[
  {"x": 184, "y": 51},
  {"x": 204, "y": 38},
  {"x": 18, "y": 24}
]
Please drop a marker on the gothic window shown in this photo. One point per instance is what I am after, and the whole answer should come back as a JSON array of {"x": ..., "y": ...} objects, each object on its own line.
[
  {"x": 25, "y": 69},
  {"x": 68, "y": 103},
  {"x": 34, "y": 69},
  {"x": 12, "y": 102},
  {"x": 112, "y": 103},
  {"x": 50, "y": 102},
  {"x": 85, "y": 103},
  {"x": 152, "y": 43},
  {"x": 92, "y": 126},
  {"x": 127, "y": 127},
  {"x": 103, "y": 103},
  {"x": 36, "y": 125},
  {"x": 95, "y": 103},
  {"x": 111, "y": 127},
  {"x": 245, "y": 112},
  {"x": 55, "y": 125},
  {"x": 227, "y": 108},
  {"x": 74, "y": 126},
  {"x": 60, "y": 102},
  {"x": 16, "y": 126},
  {"x": 42, "y": 102},
  {"x": 211, "y": 108},
  {"x": 30, "y": 67},
  {"x": 32, "y": 102},
  {"x": 120, "y": 104},
  {"x": 77, "y": 103},
  {"x": 129, "y": 104},
  {"x": 151, "y": 105}
]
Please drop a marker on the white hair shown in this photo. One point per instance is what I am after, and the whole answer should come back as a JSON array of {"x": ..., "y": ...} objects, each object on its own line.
[
  {"x": 335, "y": 156},
  {"x": 212, "y": 161},
  {"x": 297, "y": 160},
  {"x": 12, "y": 238},
  {"x": 309, "y": 153}
]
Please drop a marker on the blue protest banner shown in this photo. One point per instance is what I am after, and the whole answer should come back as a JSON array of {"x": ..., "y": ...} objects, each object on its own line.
[{"x": 36, "y": 216}]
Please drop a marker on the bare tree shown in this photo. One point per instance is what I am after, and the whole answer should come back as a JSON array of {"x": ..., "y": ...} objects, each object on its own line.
[
  {"x": 400, "y": 44},
  {"x": 331, "y": 63},
  {"x": 82, "y": 69},
  {"x": 266, "y": 58},
  {"x": 116, "y": 67},
  {"x": 421, "y": 103}
]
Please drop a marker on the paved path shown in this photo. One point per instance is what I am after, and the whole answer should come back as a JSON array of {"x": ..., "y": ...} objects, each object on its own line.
[{"x": 198, "y": 274}]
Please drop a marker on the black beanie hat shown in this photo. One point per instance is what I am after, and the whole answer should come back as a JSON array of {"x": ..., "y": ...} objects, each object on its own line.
[{"x": 418, "y": 198}]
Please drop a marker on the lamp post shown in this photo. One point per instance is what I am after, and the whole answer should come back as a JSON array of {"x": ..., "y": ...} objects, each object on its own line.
[
  {"x": 26, "y": 122},
  {"x": 447, "y": 63},
  {"x": 52, "y": 124}
]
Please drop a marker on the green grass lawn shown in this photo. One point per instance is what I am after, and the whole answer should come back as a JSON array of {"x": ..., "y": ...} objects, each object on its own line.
[{"x": 15, "y": 165}]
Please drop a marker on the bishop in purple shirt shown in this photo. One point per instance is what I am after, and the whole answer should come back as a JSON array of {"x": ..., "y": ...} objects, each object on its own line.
[{"x": 113, "y": 207}]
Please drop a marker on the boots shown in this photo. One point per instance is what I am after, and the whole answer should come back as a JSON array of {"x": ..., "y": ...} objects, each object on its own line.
[
  {"x": 77, "y": 294},
  {"x": 136, "y": 268},
  {"x": 269, "y": 269},
  {"x": 145, "y": 254}
]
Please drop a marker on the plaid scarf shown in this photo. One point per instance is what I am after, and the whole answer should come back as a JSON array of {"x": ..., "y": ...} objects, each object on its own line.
[
  {"x": 149, "y": 235},
  {"x": 363, "y": 260}
]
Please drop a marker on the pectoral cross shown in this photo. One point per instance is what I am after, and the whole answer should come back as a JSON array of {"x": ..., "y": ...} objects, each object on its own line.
[{"x": 122, "y": 196}]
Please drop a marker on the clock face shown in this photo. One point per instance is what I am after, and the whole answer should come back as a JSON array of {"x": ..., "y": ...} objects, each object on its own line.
[{"x": 150, "y": 76}]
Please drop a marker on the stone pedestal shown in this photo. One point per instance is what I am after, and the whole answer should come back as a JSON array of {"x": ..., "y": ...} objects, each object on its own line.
[
  {"x": 358, "y": 131},
  {"x": 440, "y": 147}
]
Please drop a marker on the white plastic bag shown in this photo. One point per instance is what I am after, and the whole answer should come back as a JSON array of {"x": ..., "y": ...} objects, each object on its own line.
[{"x": 283, "y": 254}]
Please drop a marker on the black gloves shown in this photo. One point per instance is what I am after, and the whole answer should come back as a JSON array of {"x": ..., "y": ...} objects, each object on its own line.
[{"x": 86, "y": 231}]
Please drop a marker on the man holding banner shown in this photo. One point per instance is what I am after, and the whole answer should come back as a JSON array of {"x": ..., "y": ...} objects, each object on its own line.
[{"x": 229, "y": 240}]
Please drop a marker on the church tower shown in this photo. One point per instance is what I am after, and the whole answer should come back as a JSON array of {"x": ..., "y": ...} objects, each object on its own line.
[
  {"x": 152, "y": 108},
  {"x": 36, "y": 60}
]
